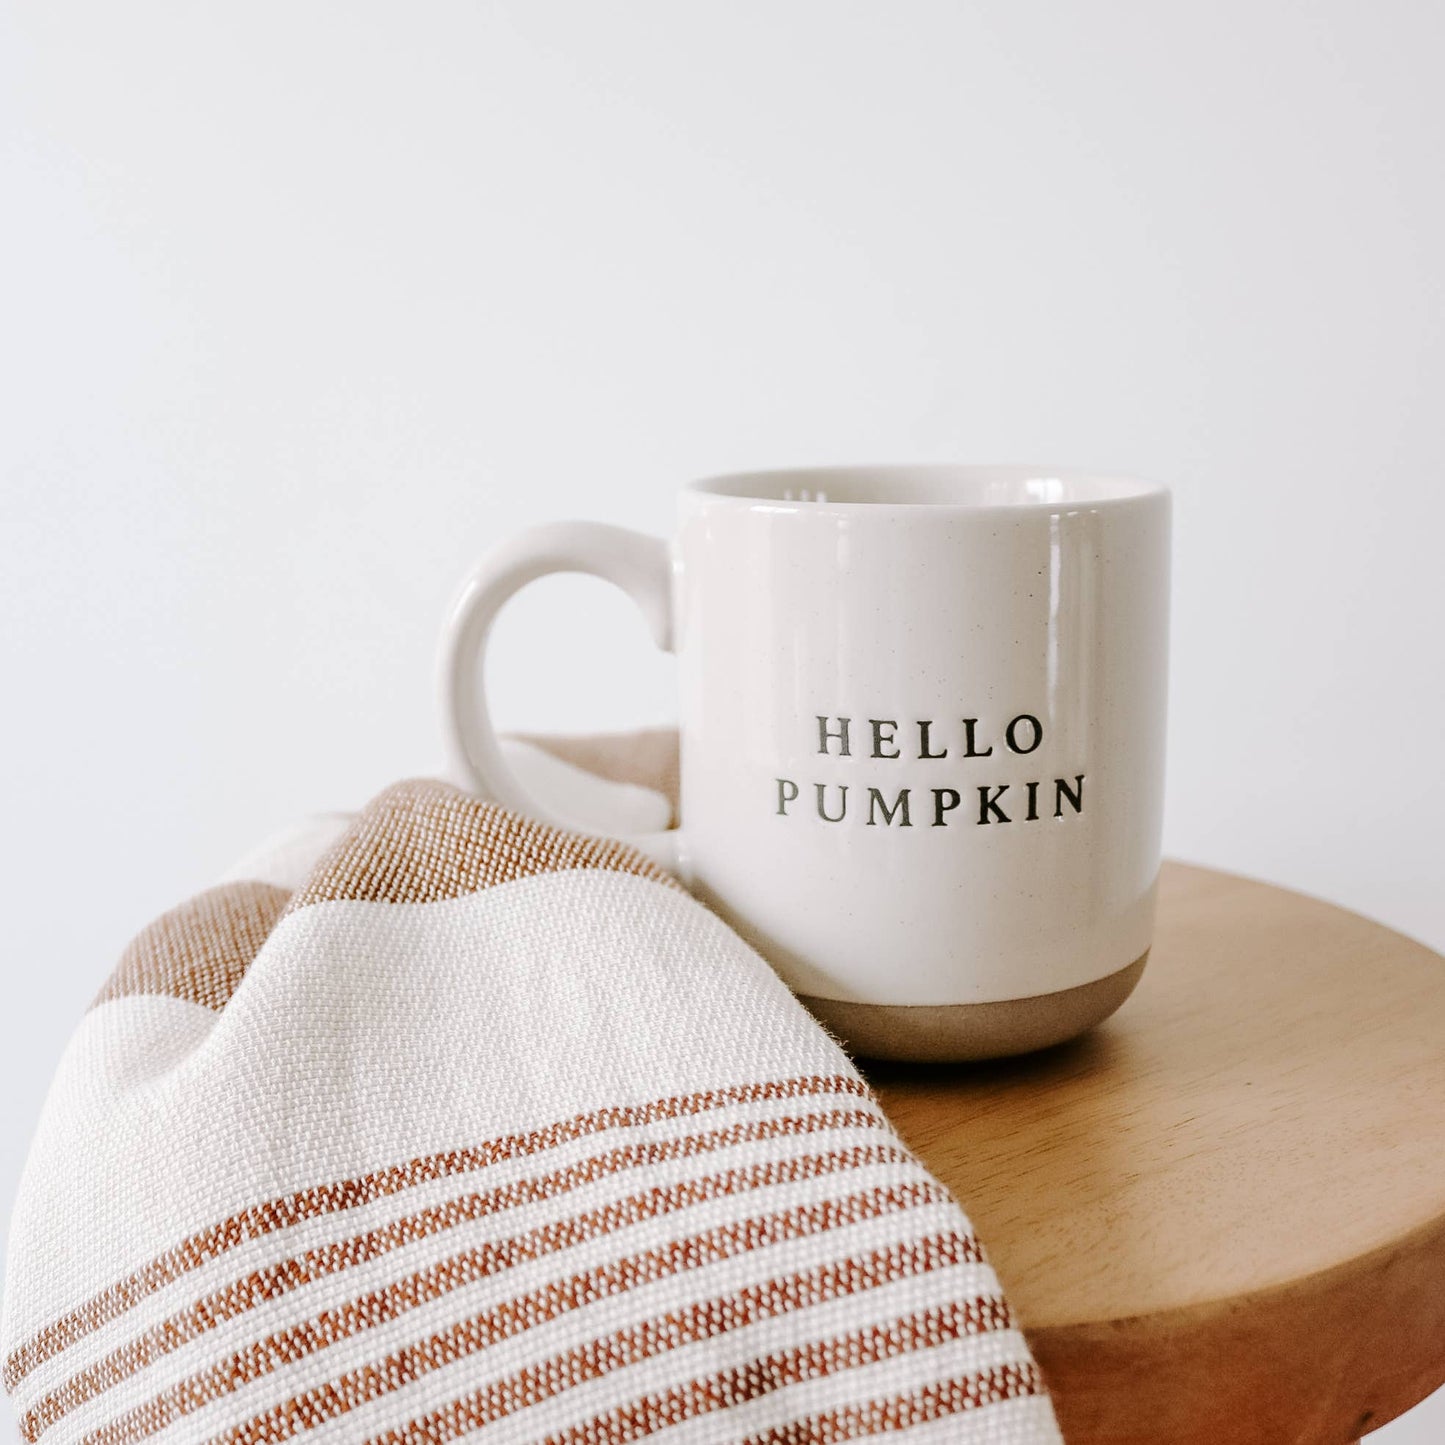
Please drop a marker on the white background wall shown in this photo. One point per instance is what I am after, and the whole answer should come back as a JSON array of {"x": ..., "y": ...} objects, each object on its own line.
[{"x": 303, "y": 305}]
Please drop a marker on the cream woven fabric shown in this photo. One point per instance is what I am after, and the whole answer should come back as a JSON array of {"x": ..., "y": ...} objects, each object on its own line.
[{"x": 467, "y": 1127}]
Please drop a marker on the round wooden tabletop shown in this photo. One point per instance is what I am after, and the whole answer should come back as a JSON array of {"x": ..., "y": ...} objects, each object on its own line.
[{"x": 1221, "y": 1216}]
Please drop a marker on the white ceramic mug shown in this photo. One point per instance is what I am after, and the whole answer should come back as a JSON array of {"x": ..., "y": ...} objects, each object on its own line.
[{"x": 922, "y": 734}]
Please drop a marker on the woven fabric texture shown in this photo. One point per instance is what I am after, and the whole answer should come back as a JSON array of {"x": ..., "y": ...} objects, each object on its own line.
[{"x": 456, "y": 1125}]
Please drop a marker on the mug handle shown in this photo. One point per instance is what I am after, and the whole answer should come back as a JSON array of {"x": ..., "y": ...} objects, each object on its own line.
[{"x": 640, "y": 565}]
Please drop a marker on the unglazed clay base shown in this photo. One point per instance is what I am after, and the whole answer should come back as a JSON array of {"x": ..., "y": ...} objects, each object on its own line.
[{"x": 954, "y": 1033}]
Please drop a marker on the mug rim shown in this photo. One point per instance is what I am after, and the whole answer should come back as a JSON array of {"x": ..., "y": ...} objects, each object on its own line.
[{"x": 1014, "y": 487}]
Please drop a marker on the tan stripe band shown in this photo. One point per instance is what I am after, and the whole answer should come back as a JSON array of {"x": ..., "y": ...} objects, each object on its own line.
[
  {"x": 200, "y": 951},
  {"x": 424, "y": 842}
]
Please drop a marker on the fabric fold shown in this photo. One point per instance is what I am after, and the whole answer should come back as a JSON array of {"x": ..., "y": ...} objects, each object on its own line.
[{"x": 473, "y": 1127}]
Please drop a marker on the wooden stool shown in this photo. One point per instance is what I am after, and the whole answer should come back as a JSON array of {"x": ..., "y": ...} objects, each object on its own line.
[{"x": 1221, "y": 1216}]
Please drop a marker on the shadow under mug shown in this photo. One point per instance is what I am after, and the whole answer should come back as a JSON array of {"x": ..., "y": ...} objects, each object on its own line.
[{"x": 922, "y": 734}]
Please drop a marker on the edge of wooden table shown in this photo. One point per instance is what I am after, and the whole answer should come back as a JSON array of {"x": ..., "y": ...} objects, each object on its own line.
[{"x": 1310, "y": 1337}]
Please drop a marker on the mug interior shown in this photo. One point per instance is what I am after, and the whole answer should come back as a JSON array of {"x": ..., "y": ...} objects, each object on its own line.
[{"x": 927, "y": 486}]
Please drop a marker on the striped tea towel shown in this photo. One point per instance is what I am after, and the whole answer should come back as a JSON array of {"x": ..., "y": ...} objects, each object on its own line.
[{"x": 468, "y": 1127}]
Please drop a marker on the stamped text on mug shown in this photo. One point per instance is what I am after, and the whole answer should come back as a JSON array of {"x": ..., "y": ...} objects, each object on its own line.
[{"x": 880, "y": 739}]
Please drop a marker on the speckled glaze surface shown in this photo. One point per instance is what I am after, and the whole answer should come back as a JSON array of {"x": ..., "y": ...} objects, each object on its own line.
[{"x": 922, "y": 719}]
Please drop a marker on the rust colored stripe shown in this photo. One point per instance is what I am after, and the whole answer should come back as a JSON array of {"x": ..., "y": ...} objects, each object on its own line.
[
  {"x": 726, "y": 1389},
  {"x": 423, "y": 841},
  {"x": 383, "y": 1306},
  {"x": 902, "y": 1412},
  {"x": 687, "y": 1324},
  {"x": 264, "y": 1286},
  {"x": 259, "y": 1220},
  {"x": 200, "y": 951}
]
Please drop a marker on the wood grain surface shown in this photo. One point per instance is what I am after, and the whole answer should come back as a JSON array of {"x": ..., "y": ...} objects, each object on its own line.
[{"x": 1221, "y": 1216}]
